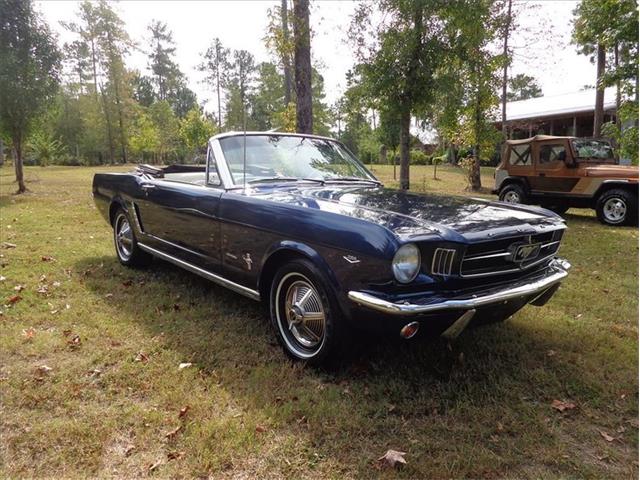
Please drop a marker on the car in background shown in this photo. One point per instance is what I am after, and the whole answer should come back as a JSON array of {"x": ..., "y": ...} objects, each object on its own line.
[{"x": 559, "y": 173}]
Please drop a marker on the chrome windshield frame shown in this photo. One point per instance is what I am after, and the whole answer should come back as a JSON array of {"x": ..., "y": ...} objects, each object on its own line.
[{"x": 223, "y": 166}]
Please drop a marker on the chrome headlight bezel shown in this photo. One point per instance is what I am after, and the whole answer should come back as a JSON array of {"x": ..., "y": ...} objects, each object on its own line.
[{"x": 406, "y": 263}]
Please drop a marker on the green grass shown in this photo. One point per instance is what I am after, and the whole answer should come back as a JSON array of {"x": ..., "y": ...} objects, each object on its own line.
[{"x": 481, "y": 410}]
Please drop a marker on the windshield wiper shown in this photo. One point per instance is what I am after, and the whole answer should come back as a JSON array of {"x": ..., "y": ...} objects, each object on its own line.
[
  {"x": 273, "y": 179},
  {"x": 353, "y": 179}
]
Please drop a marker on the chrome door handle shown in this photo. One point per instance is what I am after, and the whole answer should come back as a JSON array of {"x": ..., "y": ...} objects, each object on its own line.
[{"x": 147, "y": 186}]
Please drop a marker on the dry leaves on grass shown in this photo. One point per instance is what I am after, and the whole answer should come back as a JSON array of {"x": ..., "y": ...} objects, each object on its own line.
[
  {"x": 606, "y": 436},
  {"x": 142, "y": 357},
  {"x": 392, "y": 459},
  {"x": 183, "y": 411},
  {"x": 74, "y": 342},
  {"x": 562, "y": 406},
  {"x": 261, "y": 428},
  {"x": 175, "y": 455},
  {"x": 154, "y": 466},
  {"x": 19, "y": 288},
  {"x": 184, "y": 365},
  {"x": 29, "y": 333},
  {"x": 14, "y": 299},
  {"x": 47, "y": 258},
  {"x": 172, "y": 434},
  {"x": 8, "y": 245}
]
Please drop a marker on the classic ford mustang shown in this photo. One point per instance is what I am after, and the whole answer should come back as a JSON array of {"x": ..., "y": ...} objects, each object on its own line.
[{"x": 297, "y": 221}]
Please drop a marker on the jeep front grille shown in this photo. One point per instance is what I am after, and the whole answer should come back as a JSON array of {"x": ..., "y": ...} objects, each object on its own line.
[
  {"x": 442, "y": 262},
  {"x": 497, "y": 257}
]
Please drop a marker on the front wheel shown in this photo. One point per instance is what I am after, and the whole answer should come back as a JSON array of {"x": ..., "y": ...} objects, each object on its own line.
[
  {"x": 304, "y": 313},
  {"x": 513, "y": 193},
  {"x": 617, "y": 207}
]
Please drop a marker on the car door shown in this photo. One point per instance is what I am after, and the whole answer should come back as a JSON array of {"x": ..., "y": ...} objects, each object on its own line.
[
  {"x": 551, "y": 173},
  {"x": 182, "y": 218}
]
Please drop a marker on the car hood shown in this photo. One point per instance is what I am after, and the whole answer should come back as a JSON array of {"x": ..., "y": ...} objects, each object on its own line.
[
  {"x": 411, "y": 215},
  {"x": 616, "y": 171}
]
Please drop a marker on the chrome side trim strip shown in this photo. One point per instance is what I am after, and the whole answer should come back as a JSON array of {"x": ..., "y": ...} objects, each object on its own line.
[
  {"x": 492, "y": 255},
  {"x": 560, "y": 271},
  {"x": 247, "y": 292}
]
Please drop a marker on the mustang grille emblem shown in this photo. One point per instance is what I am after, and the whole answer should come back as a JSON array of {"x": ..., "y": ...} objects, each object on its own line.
[{"x": 521, "y": 252}]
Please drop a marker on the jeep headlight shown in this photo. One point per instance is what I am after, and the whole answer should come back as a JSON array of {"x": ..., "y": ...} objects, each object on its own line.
[{"x": 406, "y": 263}]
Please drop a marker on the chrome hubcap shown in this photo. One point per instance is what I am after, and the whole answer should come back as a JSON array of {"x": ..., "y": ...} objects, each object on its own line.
[
  {"x": 511, "y": 197},
  {"x": 124, "y": 237},
  {"x": 615, "y": 209},
  {"x": 304, "y": 314}
]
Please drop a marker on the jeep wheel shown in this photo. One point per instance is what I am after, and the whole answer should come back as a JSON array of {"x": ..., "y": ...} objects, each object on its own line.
[
  {"x": 513, "y": 193},
  {"x": 304, "y": 313},
  {"x": 617, "y": 207}
]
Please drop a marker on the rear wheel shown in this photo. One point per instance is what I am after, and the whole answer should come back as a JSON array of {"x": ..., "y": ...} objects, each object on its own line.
[
  {"x": 513, "y": 193},
  {"x": 124, "y": 238},
  {"x": 304, "y": 313},
  {"x": 617, "y": 207}
]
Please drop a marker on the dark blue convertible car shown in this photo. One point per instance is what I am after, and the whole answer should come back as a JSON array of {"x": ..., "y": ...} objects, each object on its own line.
[{"x": 297, "y": 221}]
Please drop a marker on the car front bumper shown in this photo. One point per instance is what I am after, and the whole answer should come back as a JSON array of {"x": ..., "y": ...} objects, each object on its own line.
[{"x": 536, "y": 289}]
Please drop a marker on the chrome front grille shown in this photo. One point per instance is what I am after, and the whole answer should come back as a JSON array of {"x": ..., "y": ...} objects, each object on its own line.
[
  {"x": 442, "y": 262},
  {"x": 500, "y": 256}
]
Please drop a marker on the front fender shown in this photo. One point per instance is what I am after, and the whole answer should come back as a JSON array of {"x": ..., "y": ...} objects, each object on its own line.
[{"x": 304, "y": 250}]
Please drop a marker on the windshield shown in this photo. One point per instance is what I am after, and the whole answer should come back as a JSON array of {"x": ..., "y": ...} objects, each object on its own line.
[
  {"x": 288, "y": 157},
  {"x": 593, "y": 149}
]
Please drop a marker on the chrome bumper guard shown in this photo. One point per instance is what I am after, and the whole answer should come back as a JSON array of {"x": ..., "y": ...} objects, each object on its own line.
[{"x": 555, "y": 272}]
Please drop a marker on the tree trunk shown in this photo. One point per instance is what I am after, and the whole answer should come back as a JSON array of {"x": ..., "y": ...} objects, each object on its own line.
[
  {"x": 599, "y": 112},
  {"x": 405, "y": 124},
  {"x": 474, "y": 176},
  {"x": 302, "y": 60},
  {"x": 505, "y": 53},
  {"x": 1, "y": 152},
  {"x": 383, "y": 155},
  {"x": 286, "y": 63},
  {"x": 17, "y": 142}
]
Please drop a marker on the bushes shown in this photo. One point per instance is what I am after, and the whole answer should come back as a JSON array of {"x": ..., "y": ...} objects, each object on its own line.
[{"x": 418, "y": 157}]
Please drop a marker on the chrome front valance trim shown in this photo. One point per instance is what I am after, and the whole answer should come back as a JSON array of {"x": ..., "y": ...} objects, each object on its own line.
[{"x": 557, "y": 271}]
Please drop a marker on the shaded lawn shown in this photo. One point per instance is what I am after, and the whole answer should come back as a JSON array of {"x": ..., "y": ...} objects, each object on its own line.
[{"x": 481, "y": 410}]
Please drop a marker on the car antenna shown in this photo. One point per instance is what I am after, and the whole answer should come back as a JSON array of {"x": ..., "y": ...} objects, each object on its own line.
[{"x": 244, "y": 147}]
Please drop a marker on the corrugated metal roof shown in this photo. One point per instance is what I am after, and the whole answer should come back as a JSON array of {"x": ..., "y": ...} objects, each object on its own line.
[{"x": 556, "y": 105}]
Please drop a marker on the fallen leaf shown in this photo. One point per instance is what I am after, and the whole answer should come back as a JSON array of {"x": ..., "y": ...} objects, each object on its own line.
[
  {"x": 96, "y": 372},
  {"x": 44, "y": 369},
  {"x": 551, "y": 353},
  {"x": 561, "y": 406},
  {"x": 43, "y": 289},
  {"x": 183, "y": 411},
  {"x": 56, "y": 284},
  {"x": 500, "y": 427},
  {"x": 2, "y": 279},
  {"x": 47, "y": 258},
  {"x": 8, "y": 245},
  {"x": 154, "y": 466},
  {"x": 14, "y": 299},
  {"x": 176, "y": 307},
  {"x": 173, "y": 432},
  {"x": 67, "y": 332},
  {"x": 128, "y": 450},
  {"x": 175, "y": 455},
  {"x": 74, "y": 342},
  {"x": 108, "y": 295},
  {"x": 127, "y": 283},
  {"x": 606, "y": 436},
  {"x": 392, "y": 458},
  {"x": 261, "y": 429},
  {"x": 18, "y": 288},
  {"x": 184, "y": 365},
  {"x": 29, "y": 333},
  {"x": 43, "y": 278},
  {"x": 142, "y": 357},
  {"x": 578, "y": 316}
]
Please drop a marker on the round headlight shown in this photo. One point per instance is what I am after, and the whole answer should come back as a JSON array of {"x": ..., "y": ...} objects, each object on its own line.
[{"x": 406, "y": 263}]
